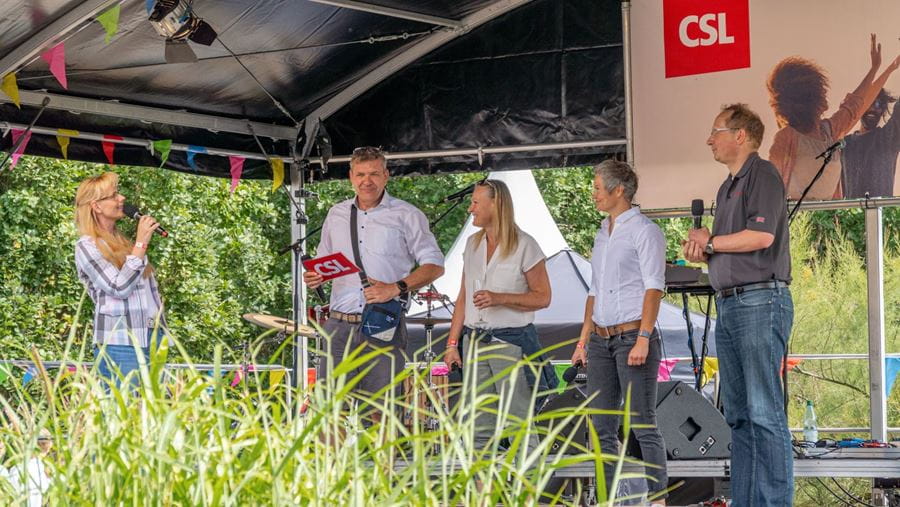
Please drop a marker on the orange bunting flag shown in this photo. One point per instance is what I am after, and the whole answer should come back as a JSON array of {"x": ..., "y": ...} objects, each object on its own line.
[
  {"x": 109, "y": 147},
  {"x": 237, "y": 167},
  {"x": 62, "y": 137},
  {"x": 10, "y": 88},
  {"x": 56, "y": 57},
  {"x": 277, "y": 172}
]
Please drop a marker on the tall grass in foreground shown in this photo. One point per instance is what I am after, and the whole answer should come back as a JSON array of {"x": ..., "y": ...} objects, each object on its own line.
[{"x": 189, "y": 438}]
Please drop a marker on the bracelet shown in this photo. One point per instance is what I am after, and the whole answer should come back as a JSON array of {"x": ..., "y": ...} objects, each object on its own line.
[
  {"x": 140, "y": 244},
  {"x": 451, "y": 343},
  {"x": 579, "y": 345}
]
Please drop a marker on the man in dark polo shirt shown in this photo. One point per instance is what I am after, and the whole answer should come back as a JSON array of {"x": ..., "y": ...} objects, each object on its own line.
[{"x": 750, "y": 268}]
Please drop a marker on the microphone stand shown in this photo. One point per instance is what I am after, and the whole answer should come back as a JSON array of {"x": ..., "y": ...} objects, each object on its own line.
[
  {"x": 15, "y": 146},
  {"x": 446, "y": 212},
  {"x": 826, "y": 159}
]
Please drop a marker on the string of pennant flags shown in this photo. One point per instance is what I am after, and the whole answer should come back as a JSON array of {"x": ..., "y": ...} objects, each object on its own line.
[{"x": 56, "y": 60}]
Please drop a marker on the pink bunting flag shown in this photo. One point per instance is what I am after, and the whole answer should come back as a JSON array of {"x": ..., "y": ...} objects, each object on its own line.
[
  {"x": 56, "y": 57},
  {"x": 109, "y": 147},
  {"x": 665, "y": 369},
  {"x": 237, "y": 167},
  {"x": 16, "y": 134},
  {"x": 239, "y": 375}
]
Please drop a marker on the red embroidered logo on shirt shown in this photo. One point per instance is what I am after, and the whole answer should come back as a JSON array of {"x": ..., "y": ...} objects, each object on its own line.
[{"x": 760, "y": 220}]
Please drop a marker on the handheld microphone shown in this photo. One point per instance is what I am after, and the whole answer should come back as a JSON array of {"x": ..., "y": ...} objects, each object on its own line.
[
  {"x": 841, "y": 143},
  {"x": 319, "y": 291},
  {"x": 132, "y": 212},
  {"x": 697, "y": 212},
  {"x": 460, "y": 194},
  {"x": 572, "y": 372}
]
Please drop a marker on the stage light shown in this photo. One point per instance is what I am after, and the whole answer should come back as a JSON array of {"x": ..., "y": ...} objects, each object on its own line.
[{"x": 176, "y": 21}]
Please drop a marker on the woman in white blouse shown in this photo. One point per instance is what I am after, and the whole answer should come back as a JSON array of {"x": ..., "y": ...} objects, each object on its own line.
[
  {"x": 504, "y": 271},
  {"x": 619, "y": 344}
]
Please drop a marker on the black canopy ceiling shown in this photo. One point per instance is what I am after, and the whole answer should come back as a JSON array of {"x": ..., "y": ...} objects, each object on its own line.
[{"x": 411, "y": 76}]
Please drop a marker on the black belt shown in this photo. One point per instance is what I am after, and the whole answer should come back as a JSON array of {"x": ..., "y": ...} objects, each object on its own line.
[{"x": 734, "y": 291}]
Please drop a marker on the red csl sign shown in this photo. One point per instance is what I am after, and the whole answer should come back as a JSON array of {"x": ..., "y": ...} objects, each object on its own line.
[
  {"x": 702, "y": 36},
  {"x": 331, "y": 266}
]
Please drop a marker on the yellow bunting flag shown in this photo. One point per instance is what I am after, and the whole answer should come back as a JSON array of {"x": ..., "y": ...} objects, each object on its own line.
[
  {"x": 62, "y": 137},
  {"x": 277, "y": 172},
  {"x": 10, "y": 88},
  {"x": 710, "y": 368},
  {"x": 275, "y": 378}
]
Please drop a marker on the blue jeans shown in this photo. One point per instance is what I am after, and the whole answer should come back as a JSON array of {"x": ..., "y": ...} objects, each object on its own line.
[
  {"x": 752, "y": 331},
  {"x": 117, "y": 361},
  {"x": 526, "y": 338}
]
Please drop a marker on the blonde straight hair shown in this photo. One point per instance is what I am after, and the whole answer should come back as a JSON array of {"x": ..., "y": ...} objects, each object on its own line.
[
  {"x": 508, "y": 233},
  {"x": 115, "y": 247}
]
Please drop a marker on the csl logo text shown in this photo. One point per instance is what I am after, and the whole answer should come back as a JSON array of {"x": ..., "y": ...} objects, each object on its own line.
[
  {"x": 713, "y": 25},
  {"x": 331, "y": 267}
]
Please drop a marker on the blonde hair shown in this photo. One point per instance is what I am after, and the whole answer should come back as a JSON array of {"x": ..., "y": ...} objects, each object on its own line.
[
  {"x": 114, "y": 246},
  {"x": 507, "y": 232}
]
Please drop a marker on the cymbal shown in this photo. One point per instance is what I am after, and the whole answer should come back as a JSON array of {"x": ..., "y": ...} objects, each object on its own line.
[
  {"x": 273, "y": 322},
  {"x": 427, "y": 321}
]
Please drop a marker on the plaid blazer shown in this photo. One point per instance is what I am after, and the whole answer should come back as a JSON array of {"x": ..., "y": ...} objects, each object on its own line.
[{"x": 125, "y": 303}]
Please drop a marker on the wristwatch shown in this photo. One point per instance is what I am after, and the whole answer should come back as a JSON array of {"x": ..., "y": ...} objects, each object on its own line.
[
  {"x": 645, "y": 334},
  {"x": 403, "y": 287},
  {"x": 709, "y": 246}
]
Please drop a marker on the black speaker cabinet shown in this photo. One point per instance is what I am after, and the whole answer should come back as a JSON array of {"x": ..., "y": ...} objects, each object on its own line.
[{"x": 690, "y": 424}]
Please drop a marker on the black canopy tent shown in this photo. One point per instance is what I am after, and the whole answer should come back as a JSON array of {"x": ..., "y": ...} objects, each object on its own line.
[
  {"x": 442, "y": 85},
  {"x": 410, "y": 76}
]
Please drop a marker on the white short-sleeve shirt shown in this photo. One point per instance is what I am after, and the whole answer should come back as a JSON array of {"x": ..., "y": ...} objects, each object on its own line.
[{"x": 501, "y": 274}]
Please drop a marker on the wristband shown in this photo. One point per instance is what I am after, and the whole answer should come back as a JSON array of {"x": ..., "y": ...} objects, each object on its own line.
[
  {"x": 451, "y": 343},
  {"x": 645, "y": 334},
  {"x": 579, "y": 345},
  {"x": 140, "y": 244}
]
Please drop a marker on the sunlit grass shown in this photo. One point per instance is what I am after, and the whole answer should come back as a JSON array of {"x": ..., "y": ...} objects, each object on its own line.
[{"x": 186, "y": 437}]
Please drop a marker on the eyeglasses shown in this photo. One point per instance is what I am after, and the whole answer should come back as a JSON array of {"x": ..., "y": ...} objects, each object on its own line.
[{"x": 715, "y": 130}]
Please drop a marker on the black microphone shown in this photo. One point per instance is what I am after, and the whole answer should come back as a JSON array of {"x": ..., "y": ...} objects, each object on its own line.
[
  {"x": 697, "y": 212},
  {"x": 319, "y": 291},
  {"x": 132, "y": 212},
  {"x": 460, "y": 194},
  {"x": 572, "y": 372},
  {"x": 841, "y": 143}
]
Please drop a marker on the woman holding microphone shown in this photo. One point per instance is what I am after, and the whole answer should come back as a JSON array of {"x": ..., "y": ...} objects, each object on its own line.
[
  {"x": 118, "y": 277},
  {"x": 619, "y": 345},
  {"x": 504, "y": 282}
]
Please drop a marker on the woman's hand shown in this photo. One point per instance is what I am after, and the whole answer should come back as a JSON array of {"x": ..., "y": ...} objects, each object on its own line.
[
  {"x": 579, "y": 356},
  {"x": 145, "y": 228},
  {"x": 875, "y": 52},
  {"x": 638, "y": 354},
  {"x": 452, "y": 357},
  {"x": 486, "y": 299}
]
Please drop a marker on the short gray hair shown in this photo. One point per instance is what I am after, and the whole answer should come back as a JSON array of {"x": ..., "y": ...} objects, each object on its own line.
[{"x": 615, "y": 173}]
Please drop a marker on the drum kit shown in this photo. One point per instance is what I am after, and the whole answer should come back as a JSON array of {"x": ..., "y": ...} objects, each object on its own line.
[{"x": 436, "y": 378}]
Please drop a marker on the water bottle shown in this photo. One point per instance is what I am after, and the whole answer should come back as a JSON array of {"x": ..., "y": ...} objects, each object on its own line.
[{"x": 810, "y": 428}]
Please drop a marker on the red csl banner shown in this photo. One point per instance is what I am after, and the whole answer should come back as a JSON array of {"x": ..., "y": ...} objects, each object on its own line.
[
  {"x": 703, "y": 36},
  {"x": 331, "y": 266}
]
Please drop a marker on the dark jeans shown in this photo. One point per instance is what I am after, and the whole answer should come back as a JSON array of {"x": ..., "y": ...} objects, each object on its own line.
[
  {"x": 342, "y": 337},
  {"x": 609, "y": 375},
  {"x": 752, "y": 330},
  {"x": 526, "y": 338}
]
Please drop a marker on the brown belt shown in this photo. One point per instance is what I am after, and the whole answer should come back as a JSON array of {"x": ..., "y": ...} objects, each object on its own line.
[
  {"x": 352, "y": 318},
  {"x": 615, "y": 330}
]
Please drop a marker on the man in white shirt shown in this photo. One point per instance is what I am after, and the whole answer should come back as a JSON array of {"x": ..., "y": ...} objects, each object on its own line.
[{"x": 394, "y": 238}]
